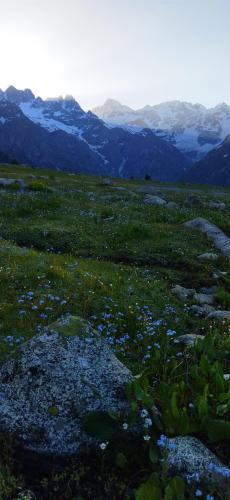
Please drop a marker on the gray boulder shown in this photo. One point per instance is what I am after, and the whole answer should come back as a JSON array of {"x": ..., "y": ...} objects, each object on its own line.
[
  {"x": 203, "y": 298},
  {"x": 147, "y": 190},
  {"x": 173, "y": 205},
  {"x": 57, "y": 379},
  {"x": 183, "y": 293},
  {"x": 202, "y": 310},
  {"x": 217, "y": 205},
  {"x": 190, "y": 456},
  {"x": 154, "y": 200},
  {"x": 221, "y": 241},
  {"x": 221, "y": 315},
  {"x": 194, "y": 201},
  {"x": 5, "y": 182}
]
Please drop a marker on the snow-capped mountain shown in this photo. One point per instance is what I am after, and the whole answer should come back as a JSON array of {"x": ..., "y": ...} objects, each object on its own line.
[
  {"x": 58, "y": 133},
  {"x": 192, "y": 128}
]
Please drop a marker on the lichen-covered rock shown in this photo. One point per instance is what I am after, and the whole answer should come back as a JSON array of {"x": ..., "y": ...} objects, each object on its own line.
[
  {"x": 189, "y": 456},
  {"x": 58, "y": 378}
]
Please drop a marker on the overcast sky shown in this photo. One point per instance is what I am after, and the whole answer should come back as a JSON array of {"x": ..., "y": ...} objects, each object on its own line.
[{"x": 136, "y": 51}]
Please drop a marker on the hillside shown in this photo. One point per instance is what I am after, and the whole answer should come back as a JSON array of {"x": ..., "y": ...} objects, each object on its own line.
[
  {"x": 103, "y": 251},
  {"x": 214, "y": 168}
]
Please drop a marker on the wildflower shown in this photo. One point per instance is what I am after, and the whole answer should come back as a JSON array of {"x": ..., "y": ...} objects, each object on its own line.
[
  {"x": 193, "y": 477},
  {"x": 125, "y": 426},
  {"x": 170, "y": 333},
  {"x": 148, "y": 423},
  {"x": 147, "y": 437},
  {"x": 103, "y": 446},
  {"x": 63, "y": 302},
  {"x": 34, "y": 308},
  {"x": 222, "y": 471},
  {"x": 164, "y": 442},
  {"x": 198, "y": 493},
  {"x": 22, "y": 312},
  {"x": 209, "y": 497},
  {"x": 144, "y": 413}
]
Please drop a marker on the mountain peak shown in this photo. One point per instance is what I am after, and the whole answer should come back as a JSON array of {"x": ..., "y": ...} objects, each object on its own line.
[{"x": 19, "y": 96}]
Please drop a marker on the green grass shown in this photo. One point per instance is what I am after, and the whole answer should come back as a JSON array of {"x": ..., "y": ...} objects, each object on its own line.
[{"x": 70, "y": 245}]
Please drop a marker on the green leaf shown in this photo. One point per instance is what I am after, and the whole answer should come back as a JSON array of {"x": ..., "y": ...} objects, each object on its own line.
[
  {"x": 150, "y": 490},
  {"x": 175, "y": 489},
  {"x": 174, "y": 406},
  {"x": 217, "y": 429},
  {"x": 100, "y": 425},
  {"x": 121, "y": 460},
  {"x": 153, "y": 453}
]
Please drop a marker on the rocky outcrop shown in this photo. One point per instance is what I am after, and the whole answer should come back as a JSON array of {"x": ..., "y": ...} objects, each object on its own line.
[{"x": 58, "y": 378}]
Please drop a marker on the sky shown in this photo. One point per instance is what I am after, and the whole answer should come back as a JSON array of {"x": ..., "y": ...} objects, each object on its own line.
[{"x": 135, "y": 51}]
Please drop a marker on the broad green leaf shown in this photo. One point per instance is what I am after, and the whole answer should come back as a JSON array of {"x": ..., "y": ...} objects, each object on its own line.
[{"x": 100, "y": 425}]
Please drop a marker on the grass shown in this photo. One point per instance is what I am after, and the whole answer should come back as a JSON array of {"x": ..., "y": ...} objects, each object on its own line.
[{"x": 70, "y": 245}]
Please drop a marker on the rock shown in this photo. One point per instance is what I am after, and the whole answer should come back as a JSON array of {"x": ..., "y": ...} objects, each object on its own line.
[
  {"x": 183, "y": 293},
  {"x": 4, "y": 182},
  {"x": 107, "y": 182},
  {"x": 208, "y": 256},
  {"x": 173, "y": 205},
  {"x": 147, "y": 190},
  {"x": 217, "y": 205},
  {"x": 189, "y": 339},
  {"x": 190, "y": 456},
  {"x": 203, "y": 298},
  {"x": 194, "y": 201},
  {"x": 154, "y": 200},
  {"x": 215, "y": 234},
  {"x": 203, "y": 310},
  {"x": 210, "y": 290},
  {"x": 57, "y": 379},
  {"x": 221, "y": 315}
]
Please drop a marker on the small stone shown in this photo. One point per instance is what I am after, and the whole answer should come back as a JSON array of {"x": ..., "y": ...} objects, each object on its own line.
[
  {"x": 189, "y": 339},
  {"x": 154, "y": 200},
  {"x": 208, "y": 256}
]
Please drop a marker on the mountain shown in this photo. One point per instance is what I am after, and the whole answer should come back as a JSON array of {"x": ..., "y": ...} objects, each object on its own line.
[
  {"x": 57, "y": 133},
  {"x": 192, "y": 128},
  {"x": 214, "y": 168}
]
